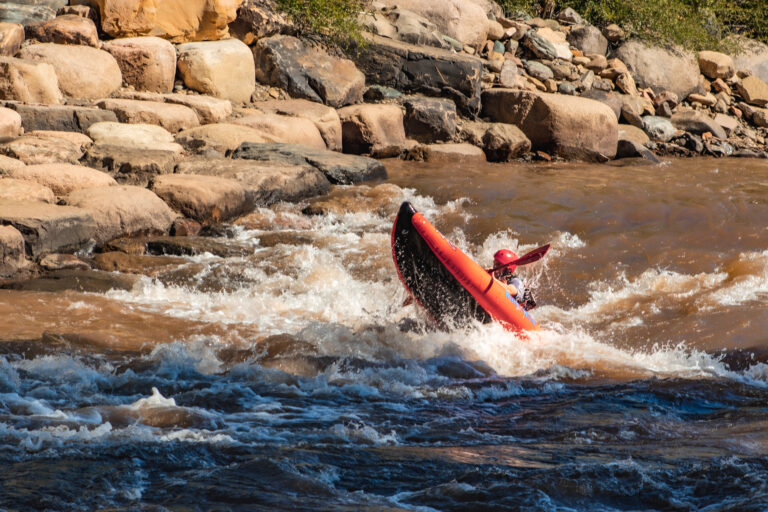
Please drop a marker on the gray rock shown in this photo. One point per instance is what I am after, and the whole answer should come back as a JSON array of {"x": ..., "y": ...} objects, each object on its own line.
[
  {"x": 509, "y": 74},
  {"x": 695, "y": 121},
  {"x": 538, "y": 70},
  {"x": 570, "y": 16},
  {"x": 588, "y": 39},
  {"x": 566, "y": 88},
  {"x": 586, "y": 80},
  {"x": 658, "y": 128},
  {"x": 64, "y": 118},
  {"x": 454, "y": 44},
  {"x": 430, "y": 119},
  {"x": 511, "y": 46},
  {"x": 498, "y": 47},
  {"x": 612, "y": 99},
  {"x": 631, "y": 149},
  {"x": 413, "y": 28},
  {"x": 540, "y": 47},
  {"x": 660, "y": 69},
  {"x": 26, "y": 12}
]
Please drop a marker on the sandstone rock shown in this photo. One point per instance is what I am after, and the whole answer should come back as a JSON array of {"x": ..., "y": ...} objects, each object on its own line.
[
  {"x": 429, "y": 71},
  {"x": 221, "y": 137},
  {"x": 265, "y": 182},
  {"x": 727, "y": 123},
  {"x": 59, "y": 261},
  {"x": 131, "y": 165},
  {"x": 172, "y": 117},
  {"x": 631, "y": 149},
  {"x": 257, "y": 19},
  {"x": 175, "y": 20},
  {"x": 376, "y": 130},
  {"x": 206, "y": 199},
  {"x": 114, "y": 261},
  {"x": 430, "y": 120},
  {"x": 451, "y": 153},
  {"x": 224, "y": 69},
  {"x": 465, "y": 21},
  {"x": 73, "y": 137},
  {"x": 42, "y": 150},
  {"x": 46, "y": 227},
  {"x": 11, "y": 251},
  {"x": 11, "y": 37},
  {"x": 68, "y": 29},
  {"x": 614, "y": 100},
  {"x": 509, "y": 76},
  {"x": 141, "y": 136},
  {"x": 23, "y": 190},
  {"x": 82, "y": 71},
  {"x": 696, "y": 121},
  {"x": 597, "y": 63},
  {"x": 716, "y": 65},
  {"x": 660, "y": 69},
  {"x": 29, "y": 82},
  {"x": 626, "y": 84},
  {"x": 63, "y": 178},
  {"x": 309, "y": 73},
  {"x": 707, "y": 100},
  {"x": 634, "y": 134},
  {"x": 10, "y": 123},
  {"x": 753, "y": 90},
  {"x": 287, "y": 129},
  {"x": 146, "y": 63},
  {"x": 326, "y": 119},
  {"x": 207, "y": 108},
  {"x": 613, "y": 33},
  {"x": 9, "y": 164},
  {"x": 658, "y": 128},
  {"x": 568, "y": 126},
  {"x": 61, "y": 118},
  {"x": 503, "y": 142},
  {"x": 338, "y": 168},
  {"x": 588, "y": 39},
  {"x": 122, "y": 211},
  {"x": 409, "y": 27}
]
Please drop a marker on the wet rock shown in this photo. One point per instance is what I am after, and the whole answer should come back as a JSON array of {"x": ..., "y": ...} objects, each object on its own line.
[
  {"x": 326, "y": 119},
  {"x": 42, "y": 150},
  {"x": 29, "y": 82},
  {"x": 373, "y": 129},
  {"x": 223, "y": 69},
  {"x": 430, "y": 120},
  {"x": 82, "y": 71},
  {"x": 122, "y": 211},
  {"x": 287, "y": 129},
  {"x": 220, "y": 137},
  {"x": 716, "y": 65},
  {"x": 424, "y": 70},
  {"x": 753, "y": 90},
  {"x": 658, "y": 128},
  {"x": 12, "y": 253},
  {"x": 690, "y": 142},
  {"x": 194, "y": 245},
  {"x": 66, "y": 29},
  {"x": 257, "y": 19},
  {"x": 696, "y": 121},
  {"x": 63, "y": 178},
  {"x": 206, "y": 199},
  {"x": 306, "y": 72},
  {"x": 538, "y": 70},
  {"x": 48, "y": 228},
  {"x": 202, "y": 20},
  {"x": 381, "y": 199},
  {"x": 88, "y": 281},
  {"x": 631, "y": 149},
  {"x": 464, "y": 21},
  {"x": 172, "y": 117},
  {"x": 588, "y": 39},
  {"x": 143, "y": 136},
  {"x": 63, "y": 118},
  {"x": 450, "y": 153},
  {"x": 131, "y": 165},
  {"x": 146, "y": 63},
  {"x": 11, "y": 37},
  {"x": 115, "y": 261},
  {"x": 59, "y": 261},
  {"x": 10, "y": 123},
  {"x": 264, "y": 182},
  {"x": 24, "y": 190},
  {"x": 338, "y": 168},
  {"x": 185, "y": 227},
  {"x": 501, "y": 142},
  {"x": 660, "y": 69}
]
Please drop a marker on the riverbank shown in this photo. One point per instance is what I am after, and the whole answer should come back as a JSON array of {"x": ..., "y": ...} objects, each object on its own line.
[{"x": 119, "y": 123}]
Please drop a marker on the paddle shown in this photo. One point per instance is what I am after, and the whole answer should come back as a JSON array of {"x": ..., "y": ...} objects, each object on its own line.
[{"x": 534, "y": 255}]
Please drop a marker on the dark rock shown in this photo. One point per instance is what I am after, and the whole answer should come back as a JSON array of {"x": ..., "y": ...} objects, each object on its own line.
[
  {"x": 588, "y": 39},
  {"x": 27, "y": 11},
  {"x": 194, "y": 245},
  {"x": 88, "y": 281},
  {"x": 631, "y": 149},
  {"x": 430, "y": 119},
  {"x": 62, "y": 118},
  {"x": 695, "y": 121},
  {"x": 664, "y": 110},
  {"x": 379, "y": 93},
  {"x": 115, "y": 261},
  {"x": 690, "y": 142},
  {"x": 130, "y": 165},
  {"x": 257, "y": 19},
  {"x": 612, "y": 99},
  {"x": 185, "y": 227}
]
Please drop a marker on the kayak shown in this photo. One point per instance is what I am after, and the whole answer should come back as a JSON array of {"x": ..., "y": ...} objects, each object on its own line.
[{"x": 450, "y": 285}]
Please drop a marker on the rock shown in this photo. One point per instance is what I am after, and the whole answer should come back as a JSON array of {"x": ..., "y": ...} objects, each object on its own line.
[
  {"x": 221, "y": 137},
  {"x": 495, "y": 31},
  {"x": 9, "y": 164},
  {"x": 450, "y": 153},
  {"x": 658, "y": 128},
  {"x": 115, "y": 261},
  {"x": 631, "y": 149},
  {"x": 59, "y": 261},
  {"x": 612, "y": 99},
  {"x": 63, "y": 178},
  {"x": 586, "y": 81},
  {"x": 568, "y": 126},
  {"x": 10, "y": 123},
  {"x": 613, "y": 33},
  {"x": 11, "y": 37},
  {"x": 570, "y": 17},
  {"x": 716, "y": 65},
  {"x": 28, "y": 82},
  {"x": 753, "y": 57},
  {"x": 504, "y": 142},
  {"x": 23, "y": 190},
  {"x": 287, "y": 129},
  {"x": 707, "y": 100},
  {"x": 172, "y": 117},
  {"x": 141, "y": 136},
  {"x": 42, "y": 150},
  {"x": 83, "y": 11},
  {"x": 146, "y": 63},
  {"x": 538, "y": 70},
  {"x": 660, "y": 69},
  {"x": 67, "y": 29},
  {"x": 131, "y": 165},
  {"x": 264, "y": 182},
  {"x": 464, "y": 21},
  {"x": 696, "y": 121},
  {"x": 409, "y": 27},
  {"x": 206, "y": 199},
  {"x": 539, "y": 46},
  {"x": 558, "y": 41},
  {"x": 79, "y": 280},
  {"x": 376, "y": 130},
  {"x": 12, "y": 258},
  {"x": 194, "y": 245},
  {"x": 597, "y": 63},
  {"x": 83, "y": 141},
  {"x": 224, "y": 69},
  {"x": 509, "y": 76},
  {"x": 82, "y": 71},
  {"x": 753, "y": 90},
  {"x": 207, "y": 108},
  {"x": 190, "y": 20},
  {"x": 720, "y": 86},
  {"x": 588, "y": 39},
  {"x": 633, "y": 134},
  {"x": 185, "y": 227},
  {"x": 566, "y": 88},
  {"x": 338, "y": 168},
  {"x": 376, "y": 93},
  {"x": 257, "y": 19},
  {"x": 46, "y": 227},
  {"x": 727, "y": 123},
  {"x": 326, "y": 119},
  {"x": 29, "y": 11},
  {"x": 430, "y": 120},
  {"x": 424, "y": 70},
  {"x": 309, "y": 73},
  {"x": 122, "y": 211},
  {"x": 626, "y": 84},
  {"x": 62, "y": 118}
]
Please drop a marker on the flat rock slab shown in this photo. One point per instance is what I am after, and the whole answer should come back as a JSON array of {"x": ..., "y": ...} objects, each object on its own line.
[
  {"x": 221, "y": 137},
  {"x": 115, "y": 261},
  {"x": 207, "y": 199},
  {"x": 451, "y": 152},
  {"x": 63, "y": 178},
  {"x": 65, "y": 118},
  {"x": 48, "y": 228},
  {"x": 89, "y": 281},
  {"x": 144, "y": 136},
  {"x": 131, "y": 165},
  {"x": 23, "y": 190},
  {"x": 172, "y": 117},
  {"x": 340, "y": 169},
  {"x": 287, "y": 129},
  {"x": 42, "y": 150}
]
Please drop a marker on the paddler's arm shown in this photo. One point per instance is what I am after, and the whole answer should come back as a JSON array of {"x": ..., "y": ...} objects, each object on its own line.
[{"x": 509, "y": 287}]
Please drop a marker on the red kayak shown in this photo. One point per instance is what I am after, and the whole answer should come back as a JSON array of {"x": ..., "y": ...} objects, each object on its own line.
[{"x": 447, "y": 282}]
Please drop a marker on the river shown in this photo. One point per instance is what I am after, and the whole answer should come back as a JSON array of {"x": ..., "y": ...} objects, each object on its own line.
[{"x": 295, "y": 378}]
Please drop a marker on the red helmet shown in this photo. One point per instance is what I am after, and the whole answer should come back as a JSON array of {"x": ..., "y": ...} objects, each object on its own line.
[{"x": 504, "y": 256}]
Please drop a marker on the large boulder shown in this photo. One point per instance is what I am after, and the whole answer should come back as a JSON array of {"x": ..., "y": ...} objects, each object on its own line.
[
  {"x": 221, "y": 137},
  {"x": 123, "y": 210},
  {"x": 224, "y": 69},
  {"x": 67, "y": 29},
  {"x": 430, "y": 119},
  {"x": 460, "y": 19},
  {"x": 48, "y": 228},
  {"x": 173, "y": 118},
  {"x": 82, "y": 71},
  {"x": 660, "y": 69},
  {"x": 11, "y": 37},
  {"x": 373, "y": 129},
  {"x": 425, "y": 70},
  {"x": 141, "y": 136},
  {"x": 10, "y": 123},
  {"x": 28, "y": 82},
  {"x": 588, "y": 39},
  {"x": 11, "y": 251},
  {"x": 32, "y": 149},
  {"x": 206, "y": 199},
  {"x": 176, "y": 20},
  {"x": 147, "y": 63},
  {"x": 24, "y": 190},
  {"x": 307, "y": 72},
  {"x": 325, "y": 118},
  {"x": 63, "y": 178},
  {"x": 753, "y": 57},
  {"x": 288, "y": 129},
  {"x": 568, "y": 126}
]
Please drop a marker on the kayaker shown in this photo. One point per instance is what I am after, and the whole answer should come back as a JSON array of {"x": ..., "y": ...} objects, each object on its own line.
[{"x": 506, "y": 276}]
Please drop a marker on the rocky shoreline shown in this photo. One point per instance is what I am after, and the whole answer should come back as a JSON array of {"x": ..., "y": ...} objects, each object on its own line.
[{"x": 134, "y": 132}]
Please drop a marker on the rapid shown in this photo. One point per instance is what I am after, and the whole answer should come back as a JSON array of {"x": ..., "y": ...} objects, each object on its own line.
[{"x": 297, "y": 377}]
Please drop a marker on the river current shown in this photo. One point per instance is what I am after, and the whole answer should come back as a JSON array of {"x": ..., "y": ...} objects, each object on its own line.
[{"x": 296, "y": 377}]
